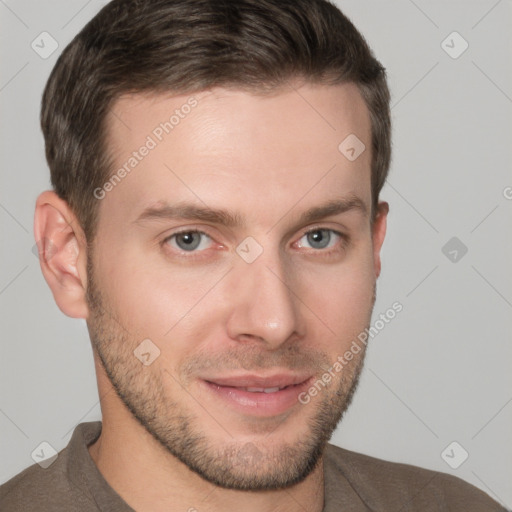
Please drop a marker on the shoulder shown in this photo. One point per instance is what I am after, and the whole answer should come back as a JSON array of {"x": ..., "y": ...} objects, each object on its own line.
[
  {"x": 382, "y": 484},
  {"x": 39, "y": 488},
  {"x": 29, "y": 490}
]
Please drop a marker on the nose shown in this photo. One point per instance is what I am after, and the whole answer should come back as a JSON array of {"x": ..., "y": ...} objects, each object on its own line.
[{"x": 262, "y": 303}]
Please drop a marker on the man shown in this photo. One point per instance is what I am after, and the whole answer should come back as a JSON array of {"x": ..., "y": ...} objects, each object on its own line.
[{"x": 216, "y": 220}]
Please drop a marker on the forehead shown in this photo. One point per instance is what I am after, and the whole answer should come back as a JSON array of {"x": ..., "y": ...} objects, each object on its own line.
[{"x": 230, "y": 147}]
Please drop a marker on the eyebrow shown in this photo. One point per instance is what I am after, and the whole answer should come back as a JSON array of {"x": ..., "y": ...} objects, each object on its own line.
[{"x": 190, "y": 211}]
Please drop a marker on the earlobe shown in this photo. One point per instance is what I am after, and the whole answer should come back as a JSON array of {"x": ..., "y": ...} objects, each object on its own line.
[
  {"x": 62, "y": 253},
  {"x": 379, "y": 233}
]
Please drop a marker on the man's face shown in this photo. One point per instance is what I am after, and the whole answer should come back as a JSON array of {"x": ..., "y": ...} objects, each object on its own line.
[{"x": 249, "y": 308}]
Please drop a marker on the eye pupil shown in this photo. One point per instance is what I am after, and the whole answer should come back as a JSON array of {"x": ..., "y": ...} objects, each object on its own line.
[
  {"x": 319, "y": 236},
  {"x": 191, "y": 240}
]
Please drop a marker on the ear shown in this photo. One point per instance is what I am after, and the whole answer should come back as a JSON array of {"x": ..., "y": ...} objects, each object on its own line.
[
  {"x": 62, "y": 250},
  {"x": 378, "y": 234}
]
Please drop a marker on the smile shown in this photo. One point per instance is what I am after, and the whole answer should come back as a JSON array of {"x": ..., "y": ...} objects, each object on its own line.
[{"x": 257, "y": 395}]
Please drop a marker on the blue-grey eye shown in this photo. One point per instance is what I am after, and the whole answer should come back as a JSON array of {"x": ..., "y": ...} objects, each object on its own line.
[
  {"x": 188, "y": 240},
  {"x": 320, "y": 238}
]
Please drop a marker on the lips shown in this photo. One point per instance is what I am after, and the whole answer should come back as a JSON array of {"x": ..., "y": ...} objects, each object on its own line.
[
  {"x": 256, "y": 382},
  {"x": 257, "y": 395}
]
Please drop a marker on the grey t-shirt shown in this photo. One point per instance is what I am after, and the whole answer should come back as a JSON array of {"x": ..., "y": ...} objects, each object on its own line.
[{"x": 353, "y": 483}]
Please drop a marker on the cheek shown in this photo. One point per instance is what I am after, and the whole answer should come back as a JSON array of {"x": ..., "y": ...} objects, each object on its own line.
[
  {"x": 154, "y": 299},
  {"x": 169, "y": 303},
  {"x": 341, "y": 296}
]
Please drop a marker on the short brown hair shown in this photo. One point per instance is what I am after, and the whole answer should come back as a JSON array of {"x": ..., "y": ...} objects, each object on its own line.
[{"x": 187, "y": 46}]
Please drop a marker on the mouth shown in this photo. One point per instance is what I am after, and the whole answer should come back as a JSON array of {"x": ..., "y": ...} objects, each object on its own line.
[
  {"x": 262, "y": 396},
  {"x": 263, "y": 390}
]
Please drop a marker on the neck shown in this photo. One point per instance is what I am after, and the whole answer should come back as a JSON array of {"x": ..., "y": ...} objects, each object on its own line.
[{"x": 149, "y": 478}]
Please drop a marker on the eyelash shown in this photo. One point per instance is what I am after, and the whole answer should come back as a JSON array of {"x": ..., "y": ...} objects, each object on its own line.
[{"x": 343, "y": 242}]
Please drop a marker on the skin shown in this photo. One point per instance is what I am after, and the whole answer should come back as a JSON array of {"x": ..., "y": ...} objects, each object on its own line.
[{"x": 295, "y": 308}]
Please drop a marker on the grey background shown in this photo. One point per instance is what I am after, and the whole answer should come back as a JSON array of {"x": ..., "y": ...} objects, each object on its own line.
[{"x": 440, "y": 371}]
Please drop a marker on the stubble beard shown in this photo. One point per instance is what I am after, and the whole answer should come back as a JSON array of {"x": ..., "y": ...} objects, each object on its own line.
[{"x": 234, "y": 464}]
